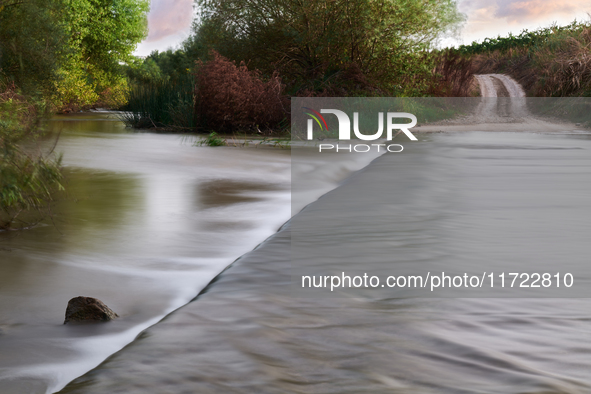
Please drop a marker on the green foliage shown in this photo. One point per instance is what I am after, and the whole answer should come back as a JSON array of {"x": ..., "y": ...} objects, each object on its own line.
[
  {"x": 212, "y": 140},
  {"x": 70, "y": 50},
  {"x": 31, "y": 43},
  {"x": 526, "y": 39},
  {"x": 102, "y": 34},
  {"x": 173, "y": 64},
  {"x": 161, "y": 103},
  {"x": 106, "y": 31},
  {"x": 142, "y": 71},
  {"x": 28, "y": 180},
  {"x": 167, "y": 65},
  {"x": 310, "y": 41}
]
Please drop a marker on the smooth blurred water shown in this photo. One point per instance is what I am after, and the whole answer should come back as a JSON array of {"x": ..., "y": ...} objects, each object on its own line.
[
  {"x": 250, "y": 332},
  {"x": 479, "y": 203},
  {"x": 148, "y": 220}
]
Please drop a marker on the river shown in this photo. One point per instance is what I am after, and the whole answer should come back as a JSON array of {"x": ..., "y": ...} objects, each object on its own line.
[
  {"x": 148, "y": 220},
  {"x": 145, "y": 230}
]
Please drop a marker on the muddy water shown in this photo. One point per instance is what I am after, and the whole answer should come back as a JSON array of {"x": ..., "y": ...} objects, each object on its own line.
[
  {"x": 147, "y": 222},
  {"x": 168, "y": 222},
  {"x": 247, "y": 332}
]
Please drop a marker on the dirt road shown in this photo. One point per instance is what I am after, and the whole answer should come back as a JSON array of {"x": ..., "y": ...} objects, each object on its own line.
[
  {"x": 498, "y": 85},
  {"x": 502, "y": 106}
]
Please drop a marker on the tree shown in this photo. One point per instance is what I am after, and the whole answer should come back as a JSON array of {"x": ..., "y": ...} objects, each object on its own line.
[
  {"x": 143, "y": 71},
  {"x": 71, "y": 50},
  {"x": 312, "y": 39},
  {"x": 101, "y": 35},
  {"x": 172, "y": 63},
  {"x": 30, "y": 44}
]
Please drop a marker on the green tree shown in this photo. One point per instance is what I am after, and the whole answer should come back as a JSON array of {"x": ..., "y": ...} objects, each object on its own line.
[
  {"x": 172, "y": 63},
  {"x": 71, "y": 50},
  {"x": 102, "y": 34},
  {"x": 314, "y": 39},
  {"x": 30, "y": 44},
  {"x": 143, "y": 71}
]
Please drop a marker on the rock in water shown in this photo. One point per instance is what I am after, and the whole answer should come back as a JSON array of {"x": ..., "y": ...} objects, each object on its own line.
[{"x": 88, "y": 309}]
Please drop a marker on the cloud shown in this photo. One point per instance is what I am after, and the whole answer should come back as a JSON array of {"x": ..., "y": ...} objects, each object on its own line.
[
  {"x": 524, "y": 11},
  {"x": 489, "y": 18},
  {"x": 169, "y": 17},
  {"x": 518, "y": 11}
]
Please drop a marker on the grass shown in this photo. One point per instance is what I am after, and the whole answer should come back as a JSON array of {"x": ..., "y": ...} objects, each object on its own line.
[
  {"x": 213, "y": 139},
  {"x": 426, "y": 109}
]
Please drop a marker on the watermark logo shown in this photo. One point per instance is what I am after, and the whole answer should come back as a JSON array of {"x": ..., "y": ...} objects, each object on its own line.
[
  {"x": 345, "y": 124},
  {"x": 316, "y": 116}
]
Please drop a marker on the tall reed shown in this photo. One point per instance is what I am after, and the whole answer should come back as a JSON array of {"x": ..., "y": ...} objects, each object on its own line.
[{"x": 162, "y": 104}]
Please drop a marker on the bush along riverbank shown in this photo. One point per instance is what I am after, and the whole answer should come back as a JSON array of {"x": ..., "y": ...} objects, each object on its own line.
[
  {"x": 226, "y": 97},
  {"x": 30, "y": 180},
  {"x": 220, "y": 96},
  {"x": 247, "y": 68}
]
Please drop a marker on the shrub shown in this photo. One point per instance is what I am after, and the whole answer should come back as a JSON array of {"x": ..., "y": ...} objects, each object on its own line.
[
  {"x": 452, "y": 76},
  {"x": 230, "y": 97},
  {"x": 28, "y": 180},
  {"x": 564, "y": 64},
  {"x": 349, "y": 81}
]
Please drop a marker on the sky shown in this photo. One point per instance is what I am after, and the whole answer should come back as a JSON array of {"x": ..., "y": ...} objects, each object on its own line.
[
  {"x": 169, "y": 21},
  {"x": 489, "y": 18}
]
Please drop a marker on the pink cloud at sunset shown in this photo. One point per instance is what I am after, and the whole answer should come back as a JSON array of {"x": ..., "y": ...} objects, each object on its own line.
[
  {"x": 490, "y": 18},
  {"x": 169, "y": 22},
  {"x": 168, "y": 17},
  {"x": 525, "y": 11}
]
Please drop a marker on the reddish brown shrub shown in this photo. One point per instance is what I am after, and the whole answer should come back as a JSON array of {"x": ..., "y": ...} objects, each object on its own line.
[
  {"x": 514, "y": 61},
  {"x": 230, "y": 97},
  {"x": 453, "y": 76}
]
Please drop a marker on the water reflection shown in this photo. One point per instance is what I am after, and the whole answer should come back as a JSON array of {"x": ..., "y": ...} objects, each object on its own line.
[
  {"x": 132, "y": 231},
  {"x": 87, "y": 123},
  {"x": 219, "y": 192}
]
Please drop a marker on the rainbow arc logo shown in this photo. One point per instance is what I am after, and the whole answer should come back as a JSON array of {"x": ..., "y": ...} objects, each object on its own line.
[{"x": 317, "y": 117}]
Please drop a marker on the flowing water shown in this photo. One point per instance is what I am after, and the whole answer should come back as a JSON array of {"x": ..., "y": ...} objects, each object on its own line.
[
  {"x": 150, "y": 221},
  {"x": 455, "y": 193},
  {"x": 147, "y": 222}
]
